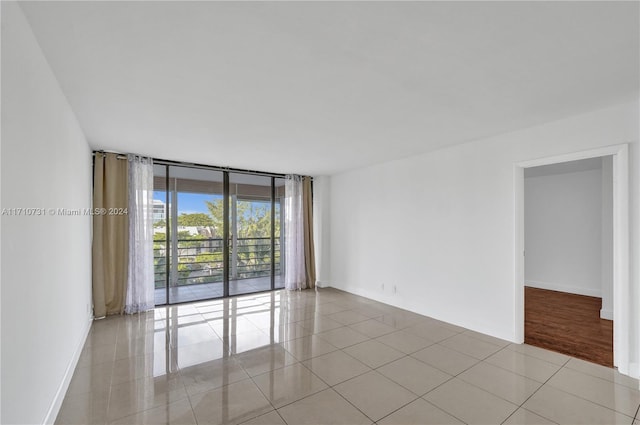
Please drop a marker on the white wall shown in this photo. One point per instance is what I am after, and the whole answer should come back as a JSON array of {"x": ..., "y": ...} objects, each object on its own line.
[
  {"x": 563, "y": 232},
  {"x": 46, "y": 260},
  {"x": 441, "y": 226}
]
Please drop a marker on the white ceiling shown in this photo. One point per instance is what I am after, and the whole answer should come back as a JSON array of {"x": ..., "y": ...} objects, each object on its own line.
[{"x": 323, "y": 87}]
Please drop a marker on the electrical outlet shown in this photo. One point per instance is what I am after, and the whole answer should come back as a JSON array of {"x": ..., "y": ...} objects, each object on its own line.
[
  {"x": 395, "y": 289},
  {"x": 382, "y": 287}
]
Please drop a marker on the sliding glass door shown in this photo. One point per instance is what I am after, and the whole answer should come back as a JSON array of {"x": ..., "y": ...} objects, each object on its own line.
[{"x": 216, "y": 233}]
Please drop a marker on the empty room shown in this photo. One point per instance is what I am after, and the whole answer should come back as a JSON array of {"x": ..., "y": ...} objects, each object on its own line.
[{"x": 350, "y": 212}]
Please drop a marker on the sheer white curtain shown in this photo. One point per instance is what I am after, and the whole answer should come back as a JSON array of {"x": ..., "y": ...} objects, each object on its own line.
[
  {"x": 140, "y": 280},
  {"x": 294, "y": 270}
]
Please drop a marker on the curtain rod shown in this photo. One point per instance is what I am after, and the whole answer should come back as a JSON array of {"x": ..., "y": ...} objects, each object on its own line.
[
  {"x": 216, "y": 168},
  {"x": 203, "y": 166},
  {"x": 118, "y": 155}
]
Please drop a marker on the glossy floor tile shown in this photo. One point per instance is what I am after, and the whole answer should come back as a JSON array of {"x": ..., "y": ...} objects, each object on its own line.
[
  {"x": 503, "y": 383},
  {"x": 527, "y": 366},
  {"x": 211, "y": 375},
  {"x": 600, "y": 391},
  {"x": 336, "y": 367},
  {"x": 327, "y": 357},
  {"x": 419, "y": 412},
  {"x": 404, "y": 341},
  {"x": 343, "y": 337},
  {"x": 375, "y": 395},
  {"x": 469, "y": 403},
  {"x": 232, "y": 404},
  {"x": 288, "y": 384},
  {"x": 564, "y": 408},
  {"x": 265, "y": 359},
  {"x": 372, "y": 328},
  {"x": 271, "y": 418},
  {"x": 525, "y": 417},
  {"x": 412, "y": 374},
  {"x": 373, "y": 353},
  {"x": 143, "y": 394},
  {"x": 179, "y": 412},
  {"x": 602, "y": 372},
  {"x": 325, "y": 407},
  {"x": 471, "y": 346},
  {"x": 445, "y": 359},
  {"x": 307, "y": 347}
]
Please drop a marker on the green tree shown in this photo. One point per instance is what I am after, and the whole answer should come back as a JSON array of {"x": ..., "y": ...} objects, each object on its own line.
[
  {"x": 254, "y": 218},
  {"x": 253, "y": 230},
  {"x": 195, "y": 219},
  {"x": 216, "y": 212}
]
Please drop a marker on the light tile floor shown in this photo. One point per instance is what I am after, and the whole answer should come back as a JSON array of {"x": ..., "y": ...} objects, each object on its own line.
[{"x": 327, "y": 357}]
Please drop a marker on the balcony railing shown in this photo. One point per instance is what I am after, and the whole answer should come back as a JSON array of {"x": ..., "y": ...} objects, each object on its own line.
[{"x": 201, "y": 260}]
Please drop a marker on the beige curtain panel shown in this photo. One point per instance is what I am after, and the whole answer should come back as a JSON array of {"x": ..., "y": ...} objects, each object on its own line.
[
  {"x": 110, "y": 234},
  {"x": 307, "y": 216}
]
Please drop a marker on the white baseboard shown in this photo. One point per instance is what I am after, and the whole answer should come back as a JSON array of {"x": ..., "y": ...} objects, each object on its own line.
[
  {"x": 606, "y": 314},
  {"x": 54, "y": 409},
  {"x": 564, "y": 288}
]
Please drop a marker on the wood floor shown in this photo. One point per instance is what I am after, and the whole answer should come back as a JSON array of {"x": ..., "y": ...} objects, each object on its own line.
[{"x": 569, "y": 324}]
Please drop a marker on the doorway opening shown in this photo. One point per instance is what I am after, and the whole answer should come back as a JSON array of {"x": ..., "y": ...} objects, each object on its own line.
[
  {"x": 568, "y": 209},
  {"x": 541, "y": 274}
]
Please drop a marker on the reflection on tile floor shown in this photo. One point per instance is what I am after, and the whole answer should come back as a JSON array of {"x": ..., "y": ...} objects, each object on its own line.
[{"x": 327, "y": 357}]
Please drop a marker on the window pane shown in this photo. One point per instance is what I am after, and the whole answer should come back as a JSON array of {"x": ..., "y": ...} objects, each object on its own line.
[{"x": 249, "y": 233}]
